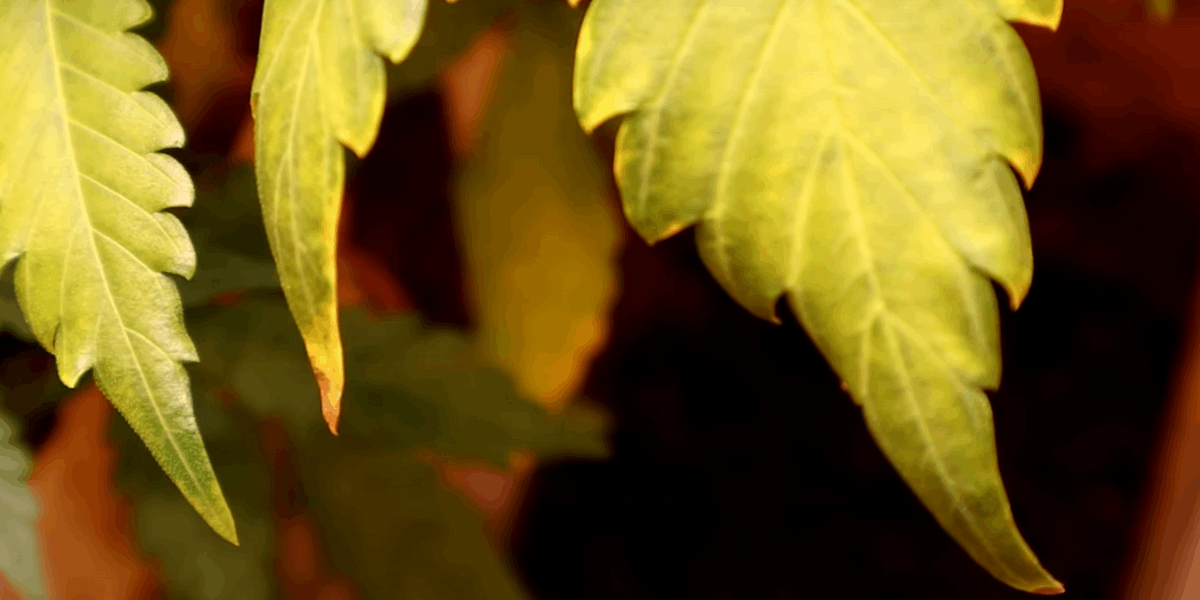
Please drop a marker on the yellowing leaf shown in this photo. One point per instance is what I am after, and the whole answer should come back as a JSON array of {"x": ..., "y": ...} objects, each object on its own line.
[
  {"x": 851, "y": 155},
  {"x": 320, "y": 83},
  {"x": 539, "y": 233},
  {"x": 81, "y": 198}
]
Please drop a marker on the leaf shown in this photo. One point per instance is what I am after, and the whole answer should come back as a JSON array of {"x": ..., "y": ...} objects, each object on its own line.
[
  {"x": 194, "y": 562},
  {"x": 415, "y": 388},
  {"x": 450, "y": 28},
  {"x": 231, "y": 247},
  {"x": 19, "y": 556},
  {"x": 319, "y": 84},
  {"x": 11, "y": 319},
  {"x": 539, "y": 234},
  {"x": 400, "y": 533},
  {"x": 851, "y": 154},
  {"x": 386, "y": 518},
  {"x": 81, "y": 198}
]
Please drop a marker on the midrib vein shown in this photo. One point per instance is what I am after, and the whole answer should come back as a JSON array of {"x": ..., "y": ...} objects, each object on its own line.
[{"x": 64, "y": 115}]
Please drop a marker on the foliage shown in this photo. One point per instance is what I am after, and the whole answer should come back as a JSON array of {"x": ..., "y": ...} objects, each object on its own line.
[
  {"x": 82, "y": 191},
  {"x": 855, "y": 157},
  {"x": 828, "y": 151},
  {"x": 385, "y": 516},
  {"x": 537, "y": 228},
  {"x": 19, "y": 561},
  {"x": 320, "y": 84}
]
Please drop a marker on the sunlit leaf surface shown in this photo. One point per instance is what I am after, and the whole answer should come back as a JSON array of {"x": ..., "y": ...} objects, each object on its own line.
[
  {"x": 82, "y": 195},
  {"x": 854, "y": 156}
]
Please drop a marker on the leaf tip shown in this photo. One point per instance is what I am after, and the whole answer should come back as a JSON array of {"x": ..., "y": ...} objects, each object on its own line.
[
  {"x": 1049, "y": 590},
  {"x": 331, "y": 399}
]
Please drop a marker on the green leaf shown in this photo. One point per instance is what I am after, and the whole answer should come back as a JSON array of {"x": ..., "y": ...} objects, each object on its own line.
[
  {"x": 193, "y": 561},
  {"x": 319, "y": 84},
  {"x": 449, "y": 29},
  {"x": 386, "y": 519},
  {"x": 851, "y": 155},
  {"x": 19, "y": 557},
  {"x": 231, "y": 246},
  {"x": 11, "y": 319},
  {"x": 82, "y": 191},
  {"x": 400, "y": 533},
  {"x": 414, "y": 387}
]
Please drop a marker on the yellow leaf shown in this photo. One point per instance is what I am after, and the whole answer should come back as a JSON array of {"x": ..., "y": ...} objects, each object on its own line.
[
  {"x": 320, "y": 83},
  {"x": 536, "y": 220}
]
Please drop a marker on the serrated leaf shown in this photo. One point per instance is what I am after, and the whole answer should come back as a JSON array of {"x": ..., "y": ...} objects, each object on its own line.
[
  {"x": 19, "y": 556},
  {"x": 538, "y": 232},
  {"x": 851, "y": 155},
  {"x": 82, "y": 195},
  {"x": 319, "y": 84}
]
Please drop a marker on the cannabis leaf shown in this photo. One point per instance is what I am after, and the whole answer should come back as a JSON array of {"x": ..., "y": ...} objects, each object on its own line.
[
  {"x": 851, "y": 154},
  {"x": 319, "y": 84},
  {"x": 19, "y": 560},
  {"x": 81, "y": 198}
]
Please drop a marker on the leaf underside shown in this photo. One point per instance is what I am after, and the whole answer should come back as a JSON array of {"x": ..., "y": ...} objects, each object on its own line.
[
  {"x": 319, "y": 84},
  {"x": 854, "y": 156},
  {"x": 82, "y": 195}
]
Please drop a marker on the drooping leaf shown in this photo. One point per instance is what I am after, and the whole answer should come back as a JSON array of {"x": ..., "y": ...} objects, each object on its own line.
[
  {"x": 82, "y": 194},
  {"x": 851, "y": 155},
  {"x": 19, "y": 559},
  {"x": 415, "y": 388},
  {"x": 539, "y": 233},
  {"x": 319, "y": 84}
]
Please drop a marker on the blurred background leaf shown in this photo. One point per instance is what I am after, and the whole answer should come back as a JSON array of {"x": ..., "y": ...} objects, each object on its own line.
[
  {"x": 231, "y": 247},
  {"x": 384, "y": 516},
  {"x": 20, "y": 561},
  {"x": 539, "y": 229}
]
